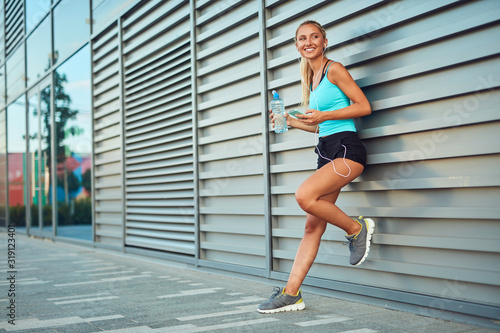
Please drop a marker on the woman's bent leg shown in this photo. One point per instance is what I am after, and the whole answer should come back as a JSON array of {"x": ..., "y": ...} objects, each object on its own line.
[{"x": 312, "y": 193}]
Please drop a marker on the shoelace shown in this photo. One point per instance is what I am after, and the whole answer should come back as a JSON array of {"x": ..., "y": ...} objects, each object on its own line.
[
  {"x": 350, "y": 242},
  {"x": 276, "y": 292}
]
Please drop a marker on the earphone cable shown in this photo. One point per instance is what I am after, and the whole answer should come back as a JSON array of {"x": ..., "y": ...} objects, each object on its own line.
[{"x": 316, "y": 140}]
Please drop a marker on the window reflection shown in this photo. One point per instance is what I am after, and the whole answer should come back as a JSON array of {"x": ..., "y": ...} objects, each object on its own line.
[
  {"x": 2, "y": 86},
  {"x": 73, "y": 143},
  {"x": 45, "y": 173},
  {"x": 33, "y": 162},
  {"x": 104, "y": 12},
  {"x": 39, "y": 166},
  {"x": 16, "y": 153},
  {"x": 38, "y": 52},
  {"x": 71, "y": 27},
  {"x": 15, "y": 73},
  {"x": 35, "y": 11},
  {"x": 2, "y": 38},
  {"x": 3, "y": 170},
  {"x": 2, "y": 33}
]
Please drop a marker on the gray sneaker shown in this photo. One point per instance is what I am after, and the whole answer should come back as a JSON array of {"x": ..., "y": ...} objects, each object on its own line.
[
  {"x": 281, "y": 301},
  {"x": 359, "y": 244}
]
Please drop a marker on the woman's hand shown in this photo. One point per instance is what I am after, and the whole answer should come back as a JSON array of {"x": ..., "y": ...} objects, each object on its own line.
[
  {"x": 287, "y": 117},
  {"x": 312, "y": 117}
]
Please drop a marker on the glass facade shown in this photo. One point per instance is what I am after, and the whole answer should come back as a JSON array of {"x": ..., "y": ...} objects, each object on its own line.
[
  {"x": 33, "y": 160},
  {"x": 45, "y": 135},
  {"x": 73, "y": 143},
  {"x": 3, "y": 170},
  {"x": 105, "y": 11},
  {"x": 45, "y": 164},
  {"x": 15, "y": 73},
  {"x": 71, "y": 27},
  {"x": 39, "y": 161},
  {"x": 38, "y": 52},
  {"x": 35, "y": 11},
  {"x": 2, "y": 86},
  {"x": 16, "y": 161},
  {"x": 2, "y": 57}
]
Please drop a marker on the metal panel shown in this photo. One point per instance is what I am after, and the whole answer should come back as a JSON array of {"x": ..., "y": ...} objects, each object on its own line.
[
  {"x": 159, "y": 180},
  {"x": 108, "y": 175},
  {"x": 430, "y": 70},
  {"x": 14, "y": 24},
  {"x": 231, "y": 164}
]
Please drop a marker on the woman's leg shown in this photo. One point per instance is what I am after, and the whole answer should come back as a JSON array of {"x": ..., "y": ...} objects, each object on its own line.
[
  {"x": 317, "y": 196},
  {"x": 312, "y": 193},
  {"x": 308, "y": 249}
]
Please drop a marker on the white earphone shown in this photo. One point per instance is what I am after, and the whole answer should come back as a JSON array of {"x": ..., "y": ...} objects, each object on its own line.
[{"x": 317, "y": 127}]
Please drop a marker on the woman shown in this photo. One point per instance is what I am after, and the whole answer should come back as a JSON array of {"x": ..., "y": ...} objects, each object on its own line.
[{"x": 328, "y": 87}]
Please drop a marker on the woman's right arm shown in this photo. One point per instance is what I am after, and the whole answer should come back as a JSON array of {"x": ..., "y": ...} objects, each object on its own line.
[{"x": 292, "y": 122}]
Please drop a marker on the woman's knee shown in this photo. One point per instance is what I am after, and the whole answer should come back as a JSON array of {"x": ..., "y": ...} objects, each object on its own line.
[
  {"x": 314, "y": 226},
  {"x": 304, "y": 200}
]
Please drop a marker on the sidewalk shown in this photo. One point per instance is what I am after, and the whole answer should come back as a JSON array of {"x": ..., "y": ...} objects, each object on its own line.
[{"x": 61, "y": 287}]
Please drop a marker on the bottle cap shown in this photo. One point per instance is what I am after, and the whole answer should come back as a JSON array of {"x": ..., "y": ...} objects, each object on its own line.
[{"x": 275, "y": 94}]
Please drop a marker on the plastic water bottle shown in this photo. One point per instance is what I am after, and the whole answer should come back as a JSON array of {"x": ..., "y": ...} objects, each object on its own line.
[{"x": 278, "y": 108}]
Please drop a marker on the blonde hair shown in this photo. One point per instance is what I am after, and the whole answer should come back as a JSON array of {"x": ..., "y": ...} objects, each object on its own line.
[{"x": 306, "y": 71}]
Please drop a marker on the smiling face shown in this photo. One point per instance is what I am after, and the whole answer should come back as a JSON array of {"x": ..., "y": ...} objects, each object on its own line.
[{"x": 310, "y": 41}]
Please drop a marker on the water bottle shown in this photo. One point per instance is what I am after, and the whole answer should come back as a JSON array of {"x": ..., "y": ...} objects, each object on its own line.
[{"x": 278, "y": 108}]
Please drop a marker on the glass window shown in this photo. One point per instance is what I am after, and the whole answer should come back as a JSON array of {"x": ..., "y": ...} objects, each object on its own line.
[
  {"x": 33, "y": 162},
  {"x": 38, "y": 51},
  {"x": 15, "y": 74},
  {"x": 2, "y": 59},
  {"x": 2, "y": 34},
  {"x": 45, "y": 173},
  {"x": 39, "y": 166},
  {"x": 35, "y": 11},
  {"x": 71, "y": 27},
  {"x": 3, "y": 170},
  {"x": 2, "y": 86},
  {"x": 73, "y": 142},
  {"x": 16, "y": 152},
  {"x": 105, "y": 12}
]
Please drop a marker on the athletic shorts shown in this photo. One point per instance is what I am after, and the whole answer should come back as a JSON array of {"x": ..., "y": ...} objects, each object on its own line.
[{"x": 336, "y": 145}]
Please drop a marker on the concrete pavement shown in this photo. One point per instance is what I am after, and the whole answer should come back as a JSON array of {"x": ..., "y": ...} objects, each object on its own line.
[{"x": 62, "y": 287}]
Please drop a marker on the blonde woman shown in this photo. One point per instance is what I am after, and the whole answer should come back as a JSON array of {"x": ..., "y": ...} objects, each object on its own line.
[{"x": 334, "y": 99}]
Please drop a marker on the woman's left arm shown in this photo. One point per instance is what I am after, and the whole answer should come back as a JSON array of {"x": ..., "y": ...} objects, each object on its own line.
[{"x": 360, "y": 106}]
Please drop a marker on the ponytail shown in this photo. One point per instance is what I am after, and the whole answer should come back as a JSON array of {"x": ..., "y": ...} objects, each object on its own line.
[{"x": 306, "y": 75}]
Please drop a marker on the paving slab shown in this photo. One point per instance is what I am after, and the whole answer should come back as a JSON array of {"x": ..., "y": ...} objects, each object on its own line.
[{"x": 64, "y": 287}]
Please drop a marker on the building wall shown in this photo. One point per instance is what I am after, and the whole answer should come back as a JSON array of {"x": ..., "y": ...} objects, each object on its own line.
[{"x": 187, "y": 168}]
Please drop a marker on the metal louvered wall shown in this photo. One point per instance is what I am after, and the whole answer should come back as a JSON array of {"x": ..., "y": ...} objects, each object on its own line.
[
  {"x": 159, "y": 181},
  {"x": 221, "y": 194},
  {"x": 230, "y": 129},
  {"x": 431, "y": 72},
  {"x": 108, "y": 138}
]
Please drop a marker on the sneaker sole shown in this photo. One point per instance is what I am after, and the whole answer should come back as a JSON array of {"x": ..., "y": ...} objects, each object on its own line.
[
  {"x": 292, "y": 307},
  {"x": 370, "y": 228}
]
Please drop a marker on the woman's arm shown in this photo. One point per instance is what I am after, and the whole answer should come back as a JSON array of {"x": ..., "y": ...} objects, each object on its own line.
[
  {"x": 293, "y": 122},
  {"x": 360, "y": 106},
  {"x": 300, "y": 125}
]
